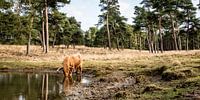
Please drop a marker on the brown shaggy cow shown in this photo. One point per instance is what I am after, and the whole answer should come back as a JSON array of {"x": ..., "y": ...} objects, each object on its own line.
[{"x": 72, "y": 63}]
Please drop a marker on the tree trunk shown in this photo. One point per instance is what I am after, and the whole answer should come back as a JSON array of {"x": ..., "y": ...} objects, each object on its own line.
[
  {"x": 154, "y": 42},
  {"x": 135, "y": 41},
  {"x": 107, "y": 26},
  {"x": 117, "y": 44},
  {"x": 174, "y": 33},
  {"x": 160, "y": 33},
  {"x": 47, "y": 27},
  {"x": 198, "y": 42},
  {"x": 108, "y": 31},
  {"x": 180, "y": 43},
  {"x": 43, "y": 30},
  {"x": 187, "y": 43},
  {"x": 140, "y": 41},
  {"x": 54, "y": 40},
  {"x": 187, "y": 36},
  {"x": 149, "y": 39},
  {"x": 30, "y": 30},
  {"x": 28, "y": 44},
  {"x": 130, "y": 45}
]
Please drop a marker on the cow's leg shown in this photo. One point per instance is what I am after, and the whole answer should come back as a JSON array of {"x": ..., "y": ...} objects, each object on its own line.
[
  {"x": 66, "y": 70},
  {"x": 79, "y": 73},
  {"x": 79, "y": 69},
  {"x": 79, "y": 77},
  {"x": 70, "y": 72}
]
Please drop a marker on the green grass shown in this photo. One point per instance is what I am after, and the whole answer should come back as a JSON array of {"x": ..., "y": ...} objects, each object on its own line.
[
  {"x": 23, "y": 65},
  {"x": 174, "y": 89}
]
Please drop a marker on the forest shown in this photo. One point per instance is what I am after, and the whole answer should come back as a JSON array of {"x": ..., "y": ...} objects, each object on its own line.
[{"x": 158, "y": 25}]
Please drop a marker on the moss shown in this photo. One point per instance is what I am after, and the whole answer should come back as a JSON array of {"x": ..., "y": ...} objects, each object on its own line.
[
  {"x": 155, "y": 71},
  {"x": 170, "y": 93},
  {"x": 190, "y": 82},
  {"x": 172, "y": 75}
]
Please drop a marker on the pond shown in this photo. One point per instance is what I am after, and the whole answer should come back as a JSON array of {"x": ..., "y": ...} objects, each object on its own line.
[{"x": 39, "y": 86}]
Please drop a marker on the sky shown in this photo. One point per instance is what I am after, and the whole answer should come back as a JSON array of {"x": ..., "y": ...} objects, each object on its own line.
[{"x": 87, "y": 11}]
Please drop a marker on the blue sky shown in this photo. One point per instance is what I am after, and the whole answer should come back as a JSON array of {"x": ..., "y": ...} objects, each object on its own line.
[{"x": 87, "y": 11}]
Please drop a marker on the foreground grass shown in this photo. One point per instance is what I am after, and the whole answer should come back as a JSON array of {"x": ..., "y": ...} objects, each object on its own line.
[
  {"x": 172, "y": 75},
  {"x": 24, "y": 65}
]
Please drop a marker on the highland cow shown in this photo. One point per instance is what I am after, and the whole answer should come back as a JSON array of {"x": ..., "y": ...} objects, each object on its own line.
[{"x": 72, "y": 64}]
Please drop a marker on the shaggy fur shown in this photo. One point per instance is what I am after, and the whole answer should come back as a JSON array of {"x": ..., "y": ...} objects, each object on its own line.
[{"x": 72, "y": 63}]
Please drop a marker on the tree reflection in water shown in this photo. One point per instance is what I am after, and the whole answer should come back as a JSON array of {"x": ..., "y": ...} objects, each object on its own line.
[
  {"x": 45, "y": 83},
  {"x": 34, "y": 86}
]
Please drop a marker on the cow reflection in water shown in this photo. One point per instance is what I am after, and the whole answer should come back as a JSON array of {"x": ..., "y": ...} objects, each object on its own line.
[
  {"x": 71, "y": 64},
  {"x": 68, "y": 84}
]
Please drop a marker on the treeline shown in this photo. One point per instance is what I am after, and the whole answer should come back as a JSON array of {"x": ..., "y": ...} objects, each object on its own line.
[
  {"x": 157, "y": 26},
  {"x": 38, "y": 22},
  {"x": 168, "y": 24}
]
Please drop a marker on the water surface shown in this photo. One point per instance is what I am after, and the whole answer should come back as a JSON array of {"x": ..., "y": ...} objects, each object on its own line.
[{"x": 37, "y": 86}]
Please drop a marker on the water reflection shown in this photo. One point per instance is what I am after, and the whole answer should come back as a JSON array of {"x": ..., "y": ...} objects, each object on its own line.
[
  {"x": 67, "y": 85},
  {"x": 45, "y": 80},
  {"x": 34, "y": 86}
]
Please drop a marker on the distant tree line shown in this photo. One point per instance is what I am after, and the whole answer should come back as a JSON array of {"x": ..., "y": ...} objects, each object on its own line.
[
  {"x": 158, "y": 25},
  {"x": 168, "y": 24},
  {"x": 37, "y": 22}
]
